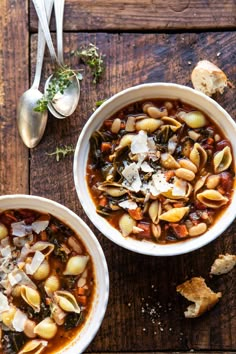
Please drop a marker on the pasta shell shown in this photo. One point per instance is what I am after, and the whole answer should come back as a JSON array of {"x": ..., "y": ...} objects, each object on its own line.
[
  {"x": 76, "y": 265},
  {"x": 126, "y": 140},
  {"x": 198, "y": 156},
  {"x": 31, "y": 297},
  {"x": 52, "y": 284},
  {"x": 46, "y": 248},
  {"x": 173, "y": 123},
  {"x": 35, "y": 346},
  {"x": 148, "y": 124},
  {"x": 8, "y": 316},
  {"x": 113, "y": 189},
  {"x": 222, "y": 160},
  {"x": 212, "y": 198},
  {"x": 43, "y": 271},
  {"x": 194, "y": 119},
  {"x": 200, "y": 183},
  {"x": 46, "y": 329},
  {"x": 126, "y": 224},
  {"x": 169, "y": 162},
  {"x": 175, "y": 214},
  {"x": 66, "y": 301},
  {"x": 154, "y": 211}
]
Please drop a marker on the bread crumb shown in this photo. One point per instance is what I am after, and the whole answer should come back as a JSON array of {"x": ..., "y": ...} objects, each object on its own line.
[
  {"x": 223, "y": 264},
  {"x": 203, "y": 298},
  {"x": 208, "y": 78}
]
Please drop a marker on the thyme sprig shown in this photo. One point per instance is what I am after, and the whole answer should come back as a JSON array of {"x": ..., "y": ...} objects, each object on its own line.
[
  {"x": 62, "y": 151},
  {"x": 92, "y": 57},
  {"x": 61, "y": 80}
]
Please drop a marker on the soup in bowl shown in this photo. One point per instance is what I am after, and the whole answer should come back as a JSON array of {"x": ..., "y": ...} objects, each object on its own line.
[
  {"x": 54, "y": 278},
  {"x": 159, "y": 169}
]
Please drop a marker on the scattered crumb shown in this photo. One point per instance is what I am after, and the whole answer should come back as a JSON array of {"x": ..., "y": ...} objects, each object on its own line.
[
  {"x": 203, "y": 298},
  {"x": 223, "y": 264}
]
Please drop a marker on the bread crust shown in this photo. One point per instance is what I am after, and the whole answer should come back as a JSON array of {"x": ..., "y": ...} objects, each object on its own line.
[
  {"x": 208, "y": 78},
  {"x": 223, "y": 264},
  {"x": 196, "y": 291}
]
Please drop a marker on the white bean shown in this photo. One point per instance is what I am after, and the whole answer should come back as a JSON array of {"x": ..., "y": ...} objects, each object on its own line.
[
  {"x": 197, "y": 229},
  {"x": 116, "y": 124},
  {"x": 185, "y": 174}
]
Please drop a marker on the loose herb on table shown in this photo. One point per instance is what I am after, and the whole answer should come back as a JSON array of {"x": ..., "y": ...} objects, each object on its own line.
[
  {"x": 92, "y": 57},
  {"x": 60, "y": 81},
  {"x": 62, "y": 151}
]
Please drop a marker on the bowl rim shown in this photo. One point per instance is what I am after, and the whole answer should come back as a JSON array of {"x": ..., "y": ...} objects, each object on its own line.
[
  {"x": 102, "y": 225},
  {"x": 86, "y": 339}
]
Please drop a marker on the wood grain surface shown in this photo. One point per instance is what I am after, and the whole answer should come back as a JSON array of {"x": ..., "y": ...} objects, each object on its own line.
[
  {"x": 142, "y": 15},
  {"x": 144, "y": 314},
  {"x": 14, "y": 79}
]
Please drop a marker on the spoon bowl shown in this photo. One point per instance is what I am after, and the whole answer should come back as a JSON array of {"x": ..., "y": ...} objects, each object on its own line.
[
  {"x": 64, "y": 105},
  {"x": 31, "y": 124}
]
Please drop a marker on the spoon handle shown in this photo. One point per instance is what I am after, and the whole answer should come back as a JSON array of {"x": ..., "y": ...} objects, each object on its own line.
[
  {"x": 41, "y": 45},
  {"x": 41, "y": 12},
  {"x": 59, "y": 13}
]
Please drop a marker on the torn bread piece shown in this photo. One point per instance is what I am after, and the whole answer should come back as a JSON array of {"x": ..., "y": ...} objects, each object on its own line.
[
  {"x": 208, "y": 78},
  {"x": 197, "y": 291},
  {"x": 223, "y": 264}
]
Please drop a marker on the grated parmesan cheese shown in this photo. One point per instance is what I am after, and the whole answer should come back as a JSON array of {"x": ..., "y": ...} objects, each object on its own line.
[
  {"x": 4, "y": 306},
  {"x": 128, "y": 204},
  {"x": 131, "y": 174},
  {"x": 160, "y": 183},
  {"x": 139, "y": 143},
  {"x": 145, "y": 167},
  {"x": 20, "y": 229},
  {"x": 36, "y": 262},
  {"x": 40, "y": 225},
  {"x": 19, "y": 320}
]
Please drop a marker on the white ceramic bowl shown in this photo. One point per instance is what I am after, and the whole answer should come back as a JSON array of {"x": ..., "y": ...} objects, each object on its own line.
[
  {"x": 91, "y": 326},
  {"x": 112, "y": 105}
]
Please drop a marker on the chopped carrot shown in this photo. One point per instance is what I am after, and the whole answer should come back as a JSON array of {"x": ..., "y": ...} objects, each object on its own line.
[
  {"x": 106, "y": 146},
  {"x": 136, "y": 214},
  {"x": 43, "y": 235},
  {"x": 221, "y": 190},
  {"x": 103, "y": 201},
  {"x": 178, "y": 205},
  {"x": 81, "y": 291},
  {"x": 146, "y": 229},
  {"x": 48, "y": 301},
  {"x": 210, "y": 141},
  {"x": 82, "y": 299},
  {"x": 169, "y": 174},
  {"x": 181, "y": 231}
]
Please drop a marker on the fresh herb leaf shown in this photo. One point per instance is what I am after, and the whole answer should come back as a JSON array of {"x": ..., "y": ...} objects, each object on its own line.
[
  {"x": 94, "y": 59},
  {"x": 62, "y": 151},
  {"x": 62, "y": 78},
  {"x": 99, "y": 103}
]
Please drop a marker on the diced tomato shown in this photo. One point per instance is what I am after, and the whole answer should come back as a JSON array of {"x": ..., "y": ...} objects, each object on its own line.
[
  {"x": 81, "y": 291},
  {"x": 108, "y": 123},
  {"x": 146, "y": 229},
  {"x": 180, "y": 230},
  {"x": 178, "y": 205},
  {"x": 136, "y": 214}
]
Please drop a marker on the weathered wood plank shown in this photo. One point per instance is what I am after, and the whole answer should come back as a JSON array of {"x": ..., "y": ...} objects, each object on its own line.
[
  {"x": 141, "y": 15},
  {"x": 145, "y": 313},
  {"x": 14, "y": 77}
]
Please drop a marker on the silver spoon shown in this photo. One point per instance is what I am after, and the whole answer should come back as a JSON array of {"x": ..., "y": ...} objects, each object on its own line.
[
  {"x": 31, "y": 124},
  {"x": 63, "y": 104}
]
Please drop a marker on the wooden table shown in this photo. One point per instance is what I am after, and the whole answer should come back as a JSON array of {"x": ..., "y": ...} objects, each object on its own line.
[{"x": 144, "y": 41}]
